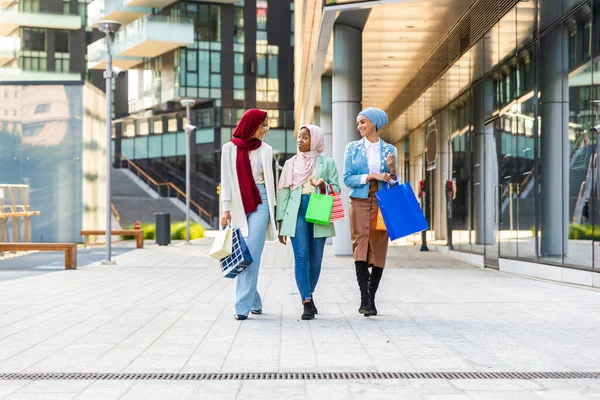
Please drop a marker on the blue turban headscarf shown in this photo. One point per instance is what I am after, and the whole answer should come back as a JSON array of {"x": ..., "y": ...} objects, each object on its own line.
[{"x": 378, "y": 117}]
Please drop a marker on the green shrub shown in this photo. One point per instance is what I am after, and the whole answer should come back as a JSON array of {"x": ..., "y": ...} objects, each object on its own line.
[
  {"x": 577, "y": 232},
  {"x": 177, "y": 231},
  {"x": 584, "y": 232},
  {"x": 149, "y": 231}
]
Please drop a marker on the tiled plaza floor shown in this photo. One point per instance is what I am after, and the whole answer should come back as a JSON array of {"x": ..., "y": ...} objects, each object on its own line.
[{"x": 167, "y": 309}]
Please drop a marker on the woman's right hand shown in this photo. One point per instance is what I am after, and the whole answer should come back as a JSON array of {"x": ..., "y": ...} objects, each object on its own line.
[
  {"x": 282, "y": 239},
  {"x": 225, "y": 218},
  {"x": 380, "y": 176}
]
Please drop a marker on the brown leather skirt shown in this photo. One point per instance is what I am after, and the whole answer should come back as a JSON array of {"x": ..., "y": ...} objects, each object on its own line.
[{"x": 368, "y": 244}]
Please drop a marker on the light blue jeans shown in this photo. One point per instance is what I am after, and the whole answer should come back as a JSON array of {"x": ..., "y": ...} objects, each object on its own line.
[
  {"x": 308, "y": 252},
  {"x": 246, "y": 294}
]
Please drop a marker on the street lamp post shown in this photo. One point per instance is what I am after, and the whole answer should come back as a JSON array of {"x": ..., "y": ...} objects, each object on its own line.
[
  {"x": 108, "y": 27},
  {"x": 189, "y": 128}
]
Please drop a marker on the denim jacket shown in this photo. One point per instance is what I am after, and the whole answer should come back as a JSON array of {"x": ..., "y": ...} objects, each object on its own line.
[{"x": 356, "y": 165}]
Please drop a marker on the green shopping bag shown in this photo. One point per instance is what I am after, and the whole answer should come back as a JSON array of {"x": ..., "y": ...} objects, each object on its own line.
[{"x": 319, "y": 208}]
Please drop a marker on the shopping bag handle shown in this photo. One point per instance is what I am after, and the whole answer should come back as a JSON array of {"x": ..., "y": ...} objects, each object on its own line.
[
  {"x": 318, "y": 189},
  {"x": 387, "y": 184},
  {"x": 331, "y": 191}
]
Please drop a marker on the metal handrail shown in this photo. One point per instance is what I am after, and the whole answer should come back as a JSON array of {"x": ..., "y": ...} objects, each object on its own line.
[
  {"x": 168, "y": 185},
  {"x": 114, "y": 211}
]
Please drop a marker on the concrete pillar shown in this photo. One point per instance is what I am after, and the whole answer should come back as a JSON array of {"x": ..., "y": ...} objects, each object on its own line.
[
  {"x": 346, "y": 104},
  {"x": 440, "y": 176},
  {"x": 554, "y": 155},
  {"x": 326, "y": 113},
  {"x": 485, "y": 165}
]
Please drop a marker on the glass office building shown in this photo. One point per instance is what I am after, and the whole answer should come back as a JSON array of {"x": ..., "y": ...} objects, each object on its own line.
[
  {"x": 42, "y": 40},
  {"x": 51, "y": 120},
  {"x": 505, "y": 111},
  {"x": 228, "y": 56}
]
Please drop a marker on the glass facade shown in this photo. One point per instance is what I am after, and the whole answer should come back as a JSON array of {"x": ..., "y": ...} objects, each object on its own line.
[
  {"x": 521, "y": 113},
  {"x": 43, "y": 50},
  {"x": 231, "y": 66},
  {"x": 54, "y": 145}
]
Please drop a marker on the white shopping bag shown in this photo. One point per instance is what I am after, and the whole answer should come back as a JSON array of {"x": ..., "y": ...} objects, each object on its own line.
[{"x": 222, "y": 244}]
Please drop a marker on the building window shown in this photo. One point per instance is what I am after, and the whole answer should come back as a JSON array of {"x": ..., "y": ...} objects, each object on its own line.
[
  {"x": 82, "y": 11},
  {"x": 207, "y": 19},
  {"x": 29, "y": 5},
  {"x": 42, "y": 108},
  {"x": 29, "y": 63},
  {"x": 62, "y": 62},
  {"x": 200, "y": 73},
  {"x": 261, "y": 22},
  {"x": 238, "y": 25},
  {"x": 267, "y": 82},
  {"x": 34, "y": 39},
  {"x": 61, "y": 39},
  {"x": 292, "y": 24},
  {"x": 261, "y": 15},
  {"x": 238, "y": 63}
]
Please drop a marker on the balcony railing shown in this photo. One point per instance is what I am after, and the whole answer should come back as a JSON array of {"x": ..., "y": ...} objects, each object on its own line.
[
  {"x": 149, "y": 3},
  {"x": 12, "y": 19},
  {"x": 162, "y": 92},
  {"x": 115, "y": 10},
  {"x": 154, "y": 35},
  {"x": 18, "y": 75},
  {"x": 9, "y": 49},
  {"x": 96, "y": 56},
  {"x": 96, "y": 52}
]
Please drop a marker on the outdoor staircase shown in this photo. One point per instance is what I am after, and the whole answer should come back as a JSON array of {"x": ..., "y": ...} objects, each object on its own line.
[{"x": 135, "y": 203}]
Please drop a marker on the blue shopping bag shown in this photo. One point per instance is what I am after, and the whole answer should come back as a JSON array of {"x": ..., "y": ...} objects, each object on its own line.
[
  {"x": 400, "y": 211},
  {"x": 240, "y": 257}
]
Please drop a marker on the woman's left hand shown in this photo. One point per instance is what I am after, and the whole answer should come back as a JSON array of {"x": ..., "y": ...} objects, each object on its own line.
[
  {"x": 391, "y": 163},
  {"x": 320, "y": 183}
]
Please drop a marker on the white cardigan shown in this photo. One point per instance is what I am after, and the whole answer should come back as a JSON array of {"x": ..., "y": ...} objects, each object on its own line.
[{"x": 230, "y": 187}]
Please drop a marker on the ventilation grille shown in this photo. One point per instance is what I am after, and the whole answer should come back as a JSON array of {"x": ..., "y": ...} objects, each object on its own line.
[{"x": 297, "y": 376}]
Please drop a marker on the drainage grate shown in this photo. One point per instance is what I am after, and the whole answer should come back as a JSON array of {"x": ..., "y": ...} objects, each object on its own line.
[{"x": 297, "y": 376}]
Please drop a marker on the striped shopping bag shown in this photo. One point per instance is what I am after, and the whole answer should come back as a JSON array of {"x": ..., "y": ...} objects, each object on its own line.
[{"x": 337, "y": 211}]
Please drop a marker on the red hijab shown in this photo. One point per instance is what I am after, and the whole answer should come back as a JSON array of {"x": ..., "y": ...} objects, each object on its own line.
[{"x": 242, "y": 138}]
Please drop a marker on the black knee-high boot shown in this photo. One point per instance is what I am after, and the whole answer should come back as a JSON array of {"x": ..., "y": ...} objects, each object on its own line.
[
  {"x": 376, "y": 273},
  {"x": 362, "y": 276}
]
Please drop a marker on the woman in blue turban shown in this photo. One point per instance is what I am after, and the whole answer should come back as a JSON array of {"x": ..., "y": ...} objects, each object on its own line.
[{"x": 368, "y": 164}]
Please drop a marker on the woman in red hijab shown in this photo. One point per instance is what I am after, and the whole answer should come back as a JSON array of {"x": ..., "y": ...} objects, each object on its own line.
[{"x": 248, "y": 200}]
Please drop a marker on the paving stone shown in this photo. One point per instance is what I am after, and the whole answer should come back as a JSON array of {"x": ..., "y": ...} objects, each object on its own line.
[{"x": 167, "y": 309}]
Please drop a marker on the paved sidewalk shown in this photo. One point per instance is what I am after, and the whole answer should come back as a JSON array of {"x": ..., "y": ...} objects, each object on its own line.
[{"x": 167, "y": 309}]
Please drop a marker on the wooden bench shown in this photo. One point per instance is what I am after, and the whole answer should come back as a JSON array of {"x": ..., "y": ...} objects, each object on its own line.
[
  {"x": 138, "y": 234},
  {"x": 16, "y": 209},
  {"x": 70, "y": 250},
  {"x": 26, "y": 215}
]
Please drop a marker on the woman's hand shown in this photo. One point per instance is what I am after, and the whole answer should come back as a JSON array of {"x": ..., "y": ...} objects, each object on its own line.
[
  {"x": 380, "y": 176},
  {"x": 320, "y": 183},
  {"x": 225, "y": 219},
  {"x": 282, "y": 239},
  {"x": 391, "y": 163}
]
